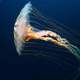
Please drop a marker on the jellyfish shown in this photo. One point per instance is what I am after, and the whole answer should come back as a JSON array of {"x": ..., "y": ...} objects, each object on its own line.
[{"x": 24, "y": 31}]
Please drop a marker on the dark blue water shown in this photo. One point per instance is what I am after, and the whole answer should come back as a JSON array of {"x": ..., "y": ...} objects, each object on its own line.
[{"x": 62, "y": 65}]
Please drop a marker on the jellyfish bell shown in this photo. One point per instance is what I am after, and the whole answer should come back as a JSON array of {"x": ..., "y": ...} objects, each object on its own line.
[{"x": 21, "y": 26}]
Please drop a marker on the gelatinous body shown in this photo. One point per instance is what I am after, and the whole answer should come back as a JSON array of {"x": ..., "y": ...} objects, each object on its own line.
[{"x": 24, "y": 31}]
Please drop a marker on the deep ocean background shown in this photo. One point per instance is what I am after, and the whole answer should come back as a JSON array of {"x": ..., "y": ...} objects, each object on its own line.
[{"x": 63, "y": 65}]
